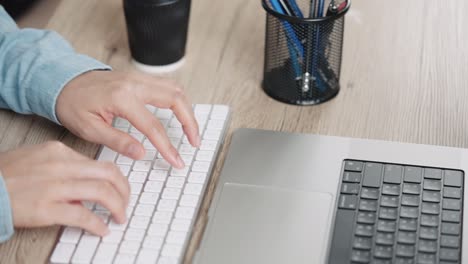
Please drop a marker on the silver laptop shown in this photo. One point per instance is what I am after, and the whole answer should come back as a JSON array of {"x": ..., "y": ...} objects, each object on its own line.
[{"x": 295, "y": 198}]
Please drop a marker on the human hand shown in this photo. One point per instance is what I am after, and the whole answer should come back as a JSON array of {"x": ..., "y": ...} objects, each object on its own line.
[
  {"x": 88, "y": 104},
  {"x": 47, "y": 182}
]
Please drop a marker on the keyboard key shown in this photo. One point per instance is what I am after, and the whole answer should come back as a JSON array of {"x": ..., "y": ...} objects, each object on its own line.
[
  {"x": 362, "y": 243},
  {"x": 385, "y": 252},
  {"x": 123, "y": 160},
  {"x": 167, "y": 205},
  {"x": 411, "y": 188},
  {"x": 193, "y": 188},
  {"x": 85, "y": 249},
  {"x": 135, "y": 234},
  {"x": 430, "y": 208},
  {"x": 360, "y": 256},
  {"x": 124, "y": 258},
  {"x": 168, "y": 260},
  {"x": 176, "y": 237},
  {"x": 189, "y": 200},
  {"x": 205, "y": 155},
  {"x": 430, "y": 233},
  {"x": 431, "y": 196},
  {"x": 426, "y": 258},
  {"x": 105, "y": 253},
  {"x": 405, "y": 250},
  {"x": 372, "y": 175},
  {"x": 412, "y": 174},
  {"x": 129, "y": 247},
  {"x": 450, "y": 229},
  {"x": 180, "y": 172},
  {"x": 402, "y": 260},
  {"x": 452, "y": 192},
  {"x": 71, "y": 235},
  {"x": 208, "y": 144},
  {"x": 161, "y": 164},
  {"x": 107, "y": 154},
  {"x": 158, "y": 175},
  {"x": 353, "y": 177},
  {"x": 429, "y": 220},
  {"x": 450, "y": 241},
  {"x": 144, "y": 210},
  {"x": 180, "y": 225},
  {"x": 125, "y": 169},
  {"x": 149, "y": 198},
  {"x": 451, "y": 216},
  {"x": 153, "y": 186},
  {"x": 388, "y": 213},
  {"x": 171, "y": 193},
  {"x": 410, "y": 200},
  {"x": 153, "y": 242},
  {"x": 171, "y": 250},
  {"x": 142, "y": 165},
  {"x": 62, "y": 253},
  {"x": 366, "y": 217},
  {"x": 185, "y": 212},
  {"x": 368, "y": 205},
  {"x": 449, "y": 254},
  {"x": 427, "y": 246},
  {"x": 137, "y": 176},
  {"x": 386, "y": 226},
  {"x": 386, "y": 239},
  {"x": 453, "y": 178},
  {"x": 139, "y": 222},
  {"x": 114, "y": 237},
  {"x": 161, "y": 217},
  {"x": 430, "y": 173},
  {"x": 451, "y": 204},
  {"x": 350, "y": 188},
  {"x": 212, "y": 134},
  {"x": 404, "y": 237},
  {"x": 158, "y": 230},
  {"x": 353, "y": 166},
  {"x": 175, "y": 182},
  {"x": 391, "y": 189},
  {"x": 409, "y": 212},
  {"x": 347, "y": 202},
  {"x": 434, "y": 185},
  {"x": 201, "y": 166},
  {"x": 393, "y": 174},
  {"x": 364, "y": 230},
  {"x": 163, "y": 113},
  {"x": 370, "y": 193},
  {"x": 219, "y": 112},
  {"x": 135, "y": 187},
  {"x": 197, "y": 177},
  {"x": 389, "y": 201},
  {"x": 147, "y": 256}
]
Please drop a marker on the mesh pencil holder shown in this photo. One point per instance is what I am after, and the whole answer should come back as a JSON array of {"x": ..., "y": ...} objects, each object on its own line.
[{"x": 303, "y": 55}]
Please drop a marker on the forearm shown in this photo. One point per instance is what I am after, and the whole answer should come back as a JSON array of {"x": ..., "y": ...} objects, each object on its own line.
[{"x": 35, "y": 65}]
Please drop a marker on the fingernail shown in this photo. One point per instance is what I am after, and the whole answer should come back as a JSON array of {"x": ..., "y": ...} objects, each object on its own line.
[
  {"x": 180, "y": 162},
  {"x": 133, "y": 151}
]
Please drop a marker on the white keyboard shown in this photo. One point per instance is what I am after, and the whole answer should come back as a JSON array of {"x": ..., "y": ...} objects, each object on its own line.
[{"x": 164, "y": 201}]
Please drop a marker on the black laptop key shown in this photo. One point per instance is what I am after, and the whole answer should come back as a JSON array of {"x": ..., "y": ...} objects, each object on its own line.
[
  {"x": 370, "y": 193},
  {"x": 386, "y": 226},
  {"x": 430, "y": 208},
  {"x": 427, "y": 258},
  {"x": 409, "y": 212},
  {"x": 388, "y": 213},
  {"x": 358, "y": 256},
  {"x": 430, "y": 233},
  {"x": 403, "y": 260},
  {"x": 389, "y": 201},
  {"x": 384, "y": 252},
  {"x": 353, "y": 177},
  {"x": 450, "y": 216},
  {"x": 385, "y": 239},
  {"x": 348, "y": 202},
  {"x": 450, "y": 241},
  {"x": 405, "y": 237},
  {"x": 453, "y": 178},
  {"x": 391, "y": 189},
  {"x": 350, "y": 188},
  {"x": 366, "y": 217},
  {"x": 368, "y": 205},
  {"x": 372, "y": 175},
  {"x": 452, "y": 192},
  {"x": 434, "y": 185},
  {"x": 449, "y": 254},
  {"x": 450, "y": 229},
  {"x": 431, "y": 173},
  {"x": 381, "y": 261},
  {"x": 411, "y": 188},
  {"x": 342, "y": 236},
  {"x": 408, "y": 224},
  {"x": 431, "y": 196},
  {"x": 428, "y": 246},
  {"x": 353, "y": 166},
  {"x": 410, "y": 200},
  {"x": 413, "y": 174},
  {"x": 451, "y": 204},
  {"x": 429, "y": 220},
  {"x": 364, "y": 230},
  {"x": 393, "y": 174},
  {"x": 362, "y": 243},
  {"x": 405, "y": 250}
]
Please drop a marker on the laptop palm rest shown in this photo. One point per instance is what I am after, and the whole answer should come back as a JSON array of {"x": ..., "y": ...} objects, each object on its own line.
[{"x": 256, "y": 224}]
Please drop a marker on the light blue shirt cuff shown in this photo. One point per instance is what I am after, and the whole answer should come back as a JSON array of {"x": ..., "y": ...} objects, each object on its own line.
[
  {"x": 6, "y": 218},
  {"x": 44, "y": 99}
]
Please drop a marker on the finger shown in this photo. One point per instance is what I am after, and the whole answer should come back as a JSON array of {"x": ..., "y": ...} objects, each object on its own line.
[
  {"x": 94, "y": 170},
  {"x": 172, "y": 96},
  {"x": 137, "y": 114},
  {"x": 101, "y": 192},
  {"x": 78, "y": 216},
  {"x": 117, "y": 140}
]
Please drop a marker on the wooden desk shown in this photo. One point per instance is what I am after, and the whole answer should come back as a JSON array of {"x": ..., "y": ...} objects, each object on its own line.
[{"x": 404, "y": 78}]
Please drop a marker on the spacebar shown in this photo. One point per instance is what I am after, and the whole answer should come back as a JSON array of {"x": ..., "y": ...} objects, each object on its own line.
[{"x": 342, "y": 235}]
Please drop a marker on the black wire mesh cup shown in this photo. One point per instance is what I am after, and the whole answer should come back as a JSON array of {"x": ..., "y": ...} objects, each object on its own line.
[{"x": 303, "y": 55}]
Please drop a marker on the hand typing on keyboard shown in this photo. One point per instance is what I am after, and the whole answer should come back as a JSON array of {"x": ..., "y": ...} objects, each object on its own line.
[{"x": 88, "y": 104}]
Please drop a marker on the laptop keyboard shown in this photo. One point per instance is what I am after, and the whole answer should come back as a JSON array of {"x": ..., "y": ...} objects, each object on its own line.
[
  {"x": 390, "y": 213},
  {"x": 164, "y": 201}
]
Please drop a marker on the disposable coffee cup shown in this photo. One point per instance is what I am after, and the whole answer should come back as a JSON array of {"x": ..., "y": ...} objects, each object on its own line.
[{"x": 157, "y": 33}]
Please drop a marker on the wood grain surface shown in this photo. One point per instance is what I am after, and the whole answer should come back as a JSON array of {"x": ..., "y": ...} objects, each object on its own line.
[{"x": 404, "y": 78}]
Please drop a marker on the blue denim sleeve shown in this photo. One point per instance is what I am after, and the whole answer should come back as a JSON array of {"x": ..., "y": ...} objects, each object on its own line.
[
  {"x": 6, "y": 219},
  {"x": 35, "y": 65}
]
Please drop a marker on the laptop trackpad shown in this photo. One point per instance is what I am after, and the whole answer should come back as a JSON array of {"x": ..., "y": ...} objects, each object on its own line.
[{"x": 255, "y": 224}]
